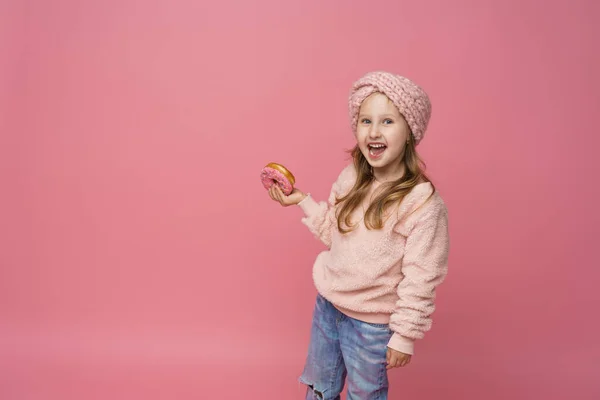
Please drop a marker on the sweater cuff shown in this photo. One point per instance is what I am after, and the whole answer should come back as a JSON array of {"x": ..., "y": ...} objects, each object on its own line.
[
  {"x": 309, "y": 205},
  {"x": 402, "y": 344}
]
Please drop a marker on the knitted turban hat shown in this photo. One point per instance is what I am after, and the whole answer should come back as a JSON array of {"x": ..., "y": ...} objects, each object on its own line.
[{"x": 410, "y": 100}]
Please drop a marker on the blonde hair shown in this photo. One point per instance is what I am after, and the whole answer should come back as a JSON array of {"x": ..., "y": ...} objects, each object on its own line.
[{"x": 392, "y": 195}]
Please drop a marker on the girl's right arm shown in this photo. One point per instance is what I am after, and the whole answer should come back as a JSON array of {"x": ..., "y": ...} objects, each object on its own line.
[{"x": 320, "y": 217}]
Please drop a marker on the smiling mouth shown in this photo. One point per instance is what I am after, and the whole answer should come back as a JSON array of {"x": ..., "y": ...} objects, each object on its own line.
[{"x": 375, "y": 150}]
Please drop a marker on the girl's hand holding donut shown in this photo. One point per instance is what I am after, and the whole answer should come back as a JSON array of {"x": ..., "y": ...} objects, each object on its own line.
[
  {"x": 279, "y": 181},
  {"x": 292, "y": 199}
]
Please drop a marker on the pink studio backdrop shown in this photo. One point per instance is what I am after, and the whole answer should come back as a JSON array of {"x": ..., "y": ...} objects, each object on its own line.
[{"x": 141, "y": 257}]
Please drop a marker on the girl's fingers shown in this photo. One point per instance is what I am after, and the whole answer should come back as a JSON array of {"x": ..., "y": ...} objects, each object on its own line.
[
  {"x": 277, "y": 193},
  {"x": 393, "y": 361},
  {"x": 280, "y": 195}
]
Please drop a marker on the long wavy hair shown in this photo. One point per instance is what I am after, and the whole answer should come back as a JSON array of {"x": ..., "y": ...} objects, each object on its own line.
[{"x": 393, "y": 194}]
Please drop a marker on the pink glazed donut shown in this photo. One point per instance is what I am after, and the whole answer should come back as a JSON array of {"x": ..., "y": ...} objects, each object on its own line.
[{"x": 274, "y": 173}]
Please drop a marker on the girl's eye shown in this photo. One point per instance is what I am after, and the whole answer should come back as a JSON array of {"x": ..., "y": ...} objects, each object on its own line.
[
  {"x": 365, "y": 121},
  {"x": 388, "y": 121}
]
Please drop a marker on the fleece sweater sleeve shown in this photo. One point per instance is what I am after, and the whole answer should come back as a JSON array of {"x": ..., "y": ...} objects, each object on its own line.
[
  {"x": 320, "y": 217},
  {"x": 424, "y": 267}
]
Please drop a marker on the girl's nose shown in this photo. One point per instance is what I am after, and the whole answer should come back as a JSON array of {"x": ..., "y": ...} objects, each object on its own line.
[{"x": 374, "y": 132}]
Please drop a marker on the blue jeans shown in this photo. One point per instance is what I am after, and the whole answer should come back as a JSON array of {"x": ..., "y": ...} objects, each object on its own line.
[{"x": 343, "y": 348}]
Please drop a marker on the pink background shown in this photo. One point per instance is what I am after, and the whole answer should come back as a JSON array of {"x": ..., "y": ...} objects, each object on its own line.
[{"x": 141, "y": 257}]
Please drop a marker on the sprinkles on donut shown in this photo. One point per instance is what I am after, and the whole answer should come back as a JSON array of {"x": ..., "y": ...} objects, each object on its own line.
[{"x": 274, "y": 173}]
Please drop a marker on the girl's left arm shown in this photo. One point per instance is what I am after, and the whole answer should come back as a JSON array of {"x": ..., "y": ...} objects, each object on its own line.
[{"x": 424, "y": 266}]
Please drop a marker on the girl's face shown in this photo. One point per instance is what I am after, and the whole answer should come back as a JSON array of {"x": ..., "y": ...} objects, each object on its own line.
[{"x": 381, "y": 134}]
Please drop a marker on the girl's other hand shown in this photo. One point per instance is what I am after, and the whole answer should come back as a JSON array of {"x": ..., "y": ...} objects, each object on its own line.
[
  {"x": 396, "y": 359},
  {"x": 292, "y": 199}
]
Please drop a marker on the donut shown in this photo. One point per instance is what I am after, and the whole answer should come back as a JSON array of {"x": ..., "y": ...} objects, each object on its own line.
[{"x": 274, "y": 173}]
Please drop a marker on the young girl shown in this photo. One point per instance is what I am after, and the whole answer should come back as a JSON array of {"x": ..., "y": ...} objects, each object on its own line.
[{"x": 386, "y": 229}]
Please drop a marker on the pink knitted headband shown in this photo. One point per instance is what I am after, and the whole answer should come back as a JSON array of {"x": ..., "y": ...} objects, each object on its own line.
[{"x": 412, "y": 101}]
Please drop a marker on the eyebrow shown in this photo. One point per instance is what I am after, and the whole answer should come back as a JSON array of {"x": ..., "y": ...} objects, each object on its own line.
[{"x": 383, "y": 116}]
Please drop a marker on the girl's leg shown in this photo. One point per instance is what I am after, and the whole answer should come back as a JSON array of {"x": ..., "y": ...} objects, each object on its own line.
[
  {"x": 364, "y": 348},
  {"x": 324, "y": 372}
]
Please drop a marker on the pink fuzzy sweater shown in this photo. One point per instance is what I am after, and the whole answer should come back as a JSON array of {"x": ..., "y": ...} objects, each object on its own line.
[{"x": 386, "y": 276}]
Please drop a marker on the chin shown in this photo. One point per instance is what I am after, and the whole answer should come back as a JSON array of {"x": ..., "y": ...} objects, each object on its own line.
[{"x": 379, "y": 162}]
